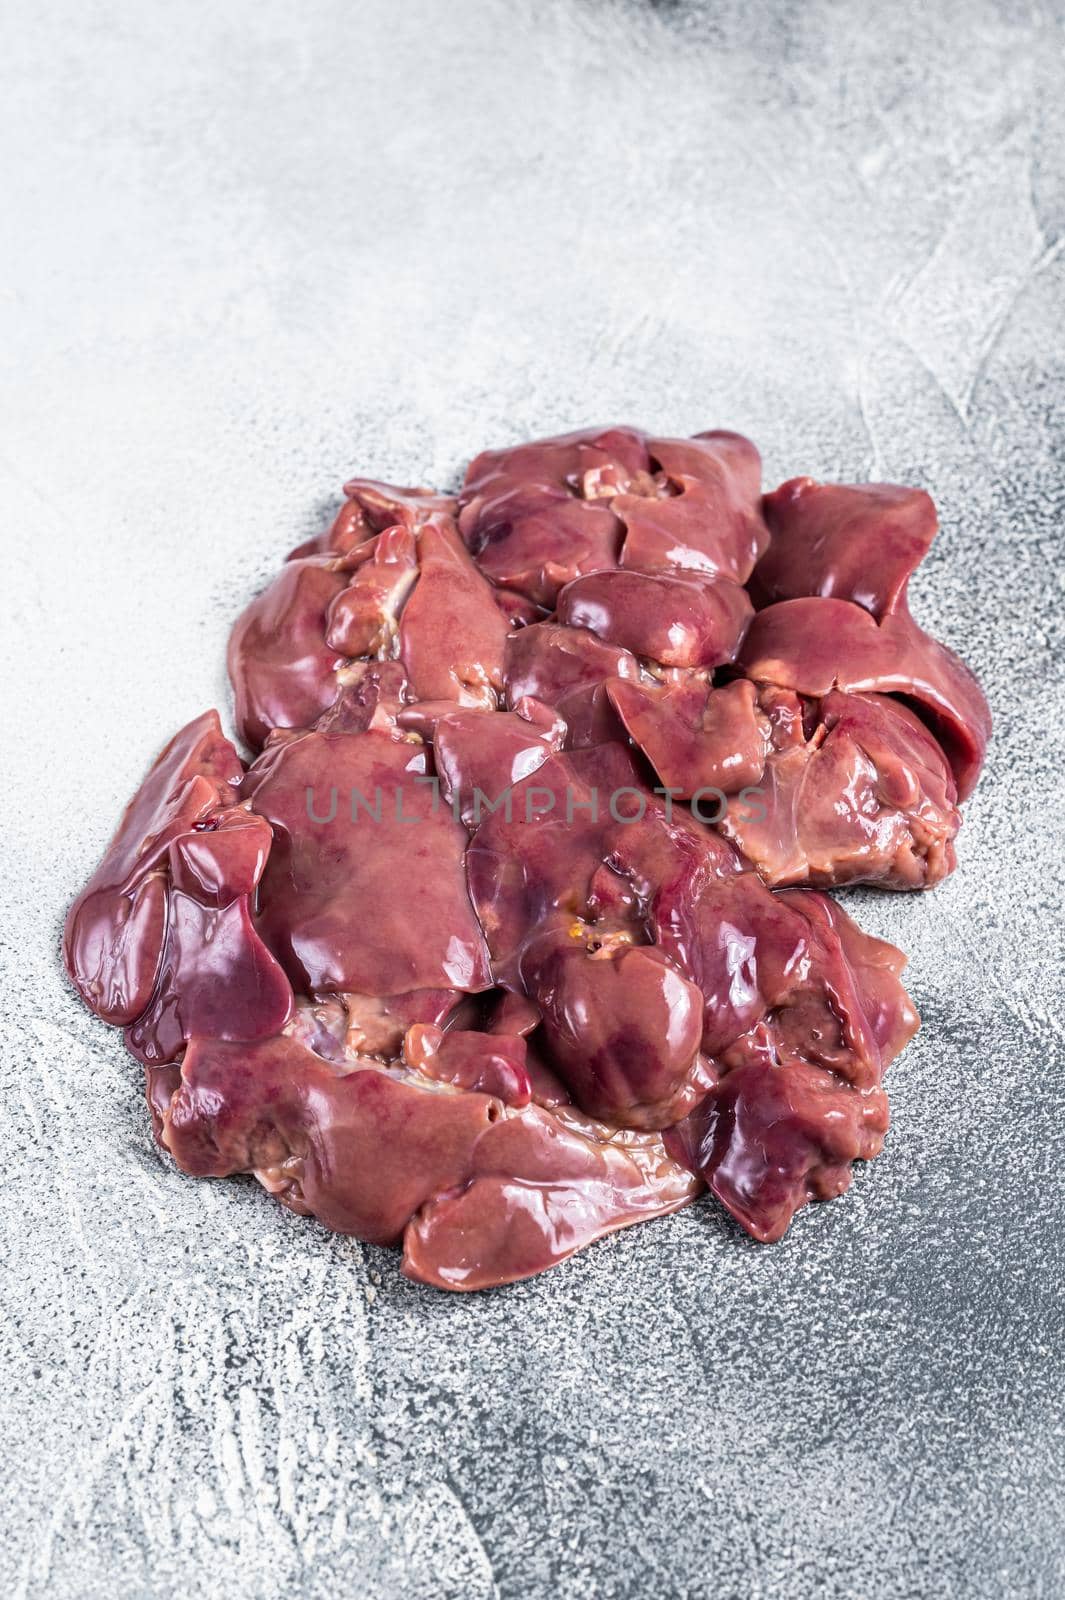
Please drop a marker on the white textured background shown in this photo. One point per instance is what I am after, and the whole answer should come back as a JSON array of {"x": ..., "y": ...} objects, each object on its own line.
[{"x": 250, "y": 248}]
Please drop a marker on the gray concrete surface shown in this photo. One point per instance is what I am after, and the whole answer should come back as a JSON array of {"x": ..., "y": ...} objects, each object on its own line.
[{"x": 251, "y": 248}]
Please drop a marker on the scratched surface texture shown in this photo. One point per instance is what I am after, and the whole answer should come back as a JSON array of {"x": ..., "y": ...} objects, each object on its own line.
[{"x": 249, "y": 249}]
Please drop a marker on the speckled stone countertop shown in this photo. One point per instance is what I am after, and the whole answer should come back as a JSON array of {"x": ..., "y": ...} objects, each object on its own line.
[{"x": 251, "y": 249}]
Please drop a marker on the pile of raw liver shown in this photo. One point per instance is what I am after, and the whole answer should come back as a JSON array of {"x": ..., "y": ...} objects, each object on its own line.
[{"x": 509, "y": 934}]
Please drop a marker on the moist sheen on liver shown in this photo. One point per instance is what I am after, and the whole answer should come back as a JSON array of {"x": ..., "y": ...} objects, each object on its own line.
[{"x": 510, "y": 930}]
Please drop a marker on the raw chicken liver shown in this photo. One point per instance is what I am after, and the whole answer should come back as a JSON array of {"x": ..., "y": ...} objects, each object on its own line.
[{"x": 510, "y": 933}]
